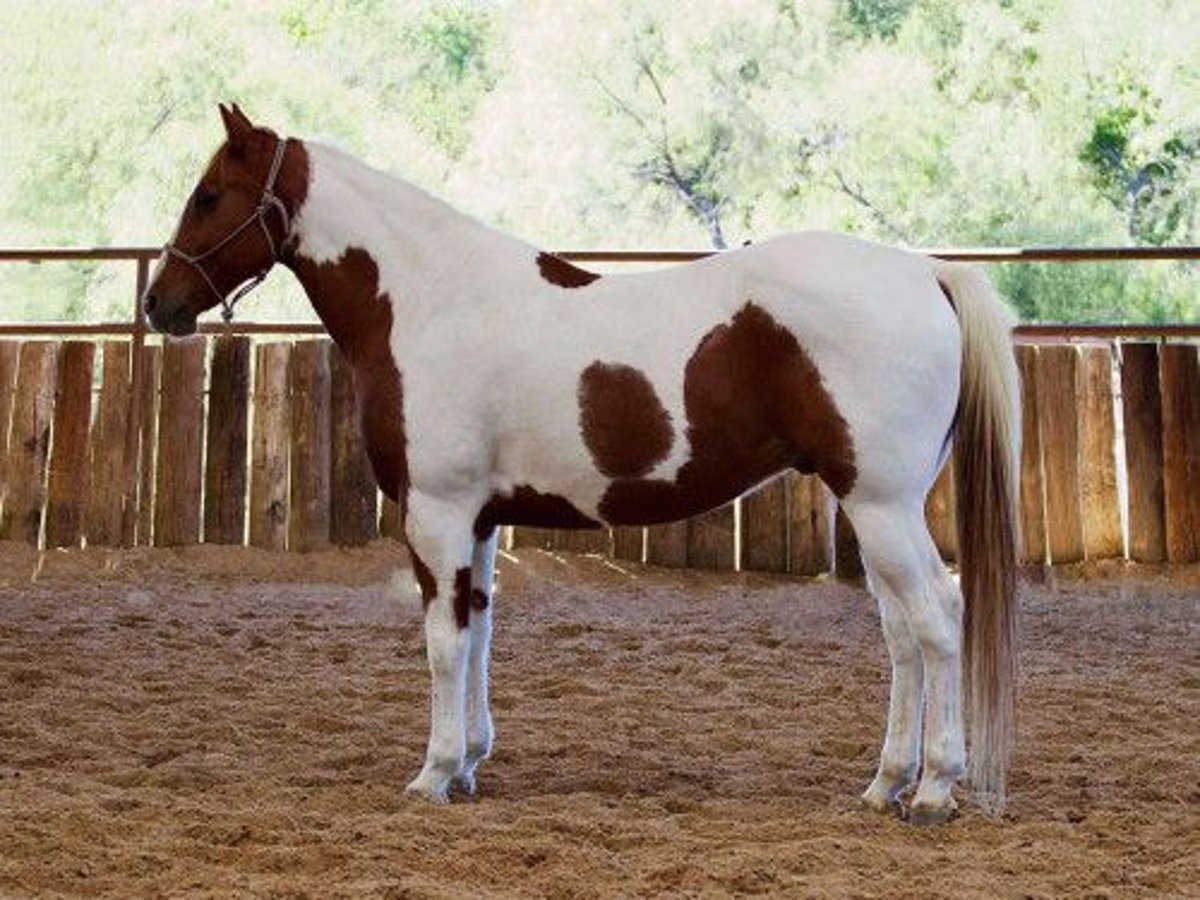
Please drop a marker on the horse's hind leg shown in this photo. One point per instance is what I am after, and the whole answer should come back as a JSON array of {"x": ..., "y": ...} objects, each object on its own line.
[
  {"x": 479, "y": 713},
  {"x": 903, "y": 561},
  {"x": 899, "y": 761}
]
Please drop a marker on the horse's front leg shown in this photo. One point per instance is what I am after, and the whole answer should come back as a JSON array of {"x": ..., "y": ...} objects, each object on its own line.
[
  {"x": 479, "y": 713},
  {"x": 441, "y": 543}
]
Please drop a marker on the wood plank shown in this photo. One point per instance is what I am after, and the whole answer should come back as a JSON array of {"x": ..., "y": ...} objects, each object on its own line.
[
  {"x": 29, "y": 441},
  {"x": 308, "y": 395},
  {"x": 629, "y": 543},
  {"x": 1033, "y": 494},
  {"x": 1057, "y": 388},
  {"x": 1099, "y": 501},
  {"x": 178, "y": 483},
  {"x": 810, "y": 541},
  {"x": 525, "y": 537},
  {"x": 940, "y": 514},
  {"x": 667, "y": 545},
  {"x": 711, "y": 541},
  {"x": 67, "y": 481},
  {"x": 228, "y": 432},
  {"x": 353, "y": 513},
  {"x": 764, "y": 545},
  {"x": 1181, "y": 450},
  {"x": 107, "y": 497},
  {"x": 584, "y": 540},
  {"x": 847, "y": 558},
  {"x": 10, "y": 352},
  {"x": 389, "y": 519},
  {"x": 1141, "y": 408},
  {"x": 269, "y": 443},
  {"x": 146, "y": 470}
]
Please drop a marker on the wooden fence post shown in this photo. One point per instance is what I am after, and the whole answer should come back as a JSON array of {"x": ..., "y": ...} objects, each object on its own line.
[
  {"x": 628, "y": 543},
  {"x": 269, "y": 447},
  {"x": 810, "y": 540},
  {"x": 1099, "y": 502},
  {"x": 29, "y": 441},
  {"x": 847, "y": 558},
  {"x": 106, "y": 502},
  {"x": 1058, "y": 397},
  {"x": 1141, "y": 404},
  {"x": 536, "y": 538},
  {"x": 765, "y": 528},
  {"x": 389, "y": 520},
  {"x": 139, "y": 498},
  {"x": 228, "y": 431},
  {"x": 584, "y": 540},
  {"x": 308, "y": 377},
  {"x": 1032, "y": 495},
  {"x": 667, "y": 545},
  {"x": 711, "y": 541},
  {"x": 10, "y": 352},
  {"x": 67, "y": 480},
  {"x": 1181, "y": 451},
  {"x": 179, "y": 480},
  {"x": 353, "y": 514}
]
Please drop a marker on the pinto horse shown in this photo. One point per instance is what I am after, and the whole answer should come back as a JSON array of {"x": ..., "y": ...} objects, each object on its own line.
[{"x": 502, "y": 385}]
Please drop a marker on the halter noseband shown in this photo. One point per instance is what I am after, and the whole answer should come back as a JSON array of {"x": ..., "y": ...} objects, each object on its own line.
[{"x": 267, "y": 202}]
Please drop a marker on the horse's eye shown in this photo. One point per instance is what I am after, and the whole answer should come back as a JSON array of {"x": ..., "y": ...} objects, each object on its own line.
[{"x": 204, "y": 200}]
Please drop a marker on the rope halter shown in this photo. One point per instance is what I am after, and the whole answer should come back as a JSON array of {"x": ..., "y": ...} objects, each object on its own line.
[{"x": 267, "y": 202}]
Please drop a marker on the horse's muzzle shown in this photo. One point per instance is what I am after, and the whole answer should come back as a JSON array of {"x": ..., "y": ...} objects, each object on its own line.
[{"x": 176, "y": 320}]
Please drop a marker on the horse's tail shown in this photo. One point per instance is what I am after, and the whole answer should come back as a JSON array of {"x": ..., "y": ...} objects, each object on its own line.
[{"x": 988, "y": 452}]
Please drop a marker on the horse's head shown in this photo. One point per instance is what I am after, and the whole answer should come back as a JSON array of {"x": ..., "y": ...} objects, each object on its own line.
[{"x": 236, "y": 225}]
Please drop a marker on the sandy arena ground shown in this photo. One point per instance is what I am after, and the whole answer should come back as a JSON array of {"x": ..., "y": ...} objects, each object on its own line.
[{"x": 222, "y": 722}]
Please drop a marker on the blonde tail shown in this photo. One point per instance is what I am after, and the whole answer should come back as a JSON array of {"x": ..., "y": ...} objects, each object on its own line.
[{"x": 988, "y": 453}]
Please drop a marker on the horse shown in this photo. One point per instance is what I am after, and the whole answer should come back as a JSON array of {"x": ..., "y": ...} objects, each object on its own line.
[{"x": 501, "y": 385}]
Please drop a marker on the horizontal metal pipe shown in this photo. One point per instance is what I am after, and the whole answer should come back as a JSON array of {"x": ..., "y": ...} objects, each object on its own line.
[{"x": 966, "y": 254}]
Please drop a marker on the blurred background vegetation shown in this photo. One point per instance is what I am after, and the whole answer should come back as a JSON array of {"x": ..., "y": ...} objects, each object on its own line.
[{"x": 630, "y": 123}]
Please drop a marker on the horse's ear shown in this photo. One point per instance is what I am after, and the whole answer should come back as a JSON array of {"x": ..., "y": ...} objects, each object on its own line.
[{"x": 237, "y": 125}]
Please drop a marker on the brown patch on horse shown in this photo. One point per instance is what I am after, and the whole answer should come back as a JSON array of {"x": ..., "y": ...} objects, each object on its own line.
[
  {"x": 530, "y": 507},
  {"x": 425, "y": 579},
  {"x": 623, "y": 423},
  {"x": 462, "y": 597},
  {"x": 557, "y": 270},
  {"x": 755, "y": 405},
  {"x": 479, "y": 600},
  {"x": 346, "y": 296}
]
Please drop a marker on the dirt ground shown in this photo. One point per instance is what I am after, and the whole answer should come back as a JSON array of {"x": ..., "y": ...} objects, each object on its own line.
[{"x": 223, "y": 722}]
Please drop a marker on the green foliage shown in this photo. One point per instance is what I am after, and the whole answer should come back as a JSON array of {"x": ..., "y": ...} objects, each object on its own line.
[
  {"x": 1148, "y": 183},
  {"x": 448, "y": 46},
  {"x": 876, "y": 18},
  {"x": 630, "y": 123}
]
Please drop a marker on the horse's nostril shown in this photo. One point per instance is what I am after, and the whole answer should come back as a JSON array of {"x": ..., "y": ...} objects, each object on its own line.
[{"x": 151, "y": 302}]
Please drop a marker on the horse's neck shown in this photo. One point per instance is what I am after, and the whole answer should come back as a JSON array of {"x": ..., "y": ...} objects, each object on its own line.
[{"x": 362, "y": 232}]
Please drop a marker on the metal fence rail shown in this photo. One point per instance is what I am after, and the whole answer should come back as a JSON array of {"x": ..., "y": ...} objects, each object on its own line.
[{"x": 142, "y": 257}]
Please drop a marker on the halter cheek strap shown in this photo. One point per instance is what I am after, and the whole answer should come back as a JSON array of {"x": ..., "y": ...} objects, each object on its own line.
[{"x": 267, "y": 202}]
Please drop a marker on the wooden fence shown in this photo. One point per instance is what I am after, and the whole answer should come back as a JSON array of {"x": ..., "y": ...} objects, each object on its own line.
[{"x": 225, "y": 439}]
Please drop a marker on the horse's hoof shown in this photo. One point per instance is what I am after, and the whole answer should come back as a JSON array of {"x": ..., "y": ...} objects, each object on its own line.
[
  {"x": 880, "y": 802},
  {"x": 925, "y": 816},
  {"x": 465, "y": 782},
  {"x": 424, "y": 788}
]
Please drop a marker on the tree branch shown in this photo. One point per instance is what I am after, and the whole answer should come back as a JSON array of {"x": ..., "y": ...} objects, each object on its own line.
[{"x": 856, "y": 194}]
